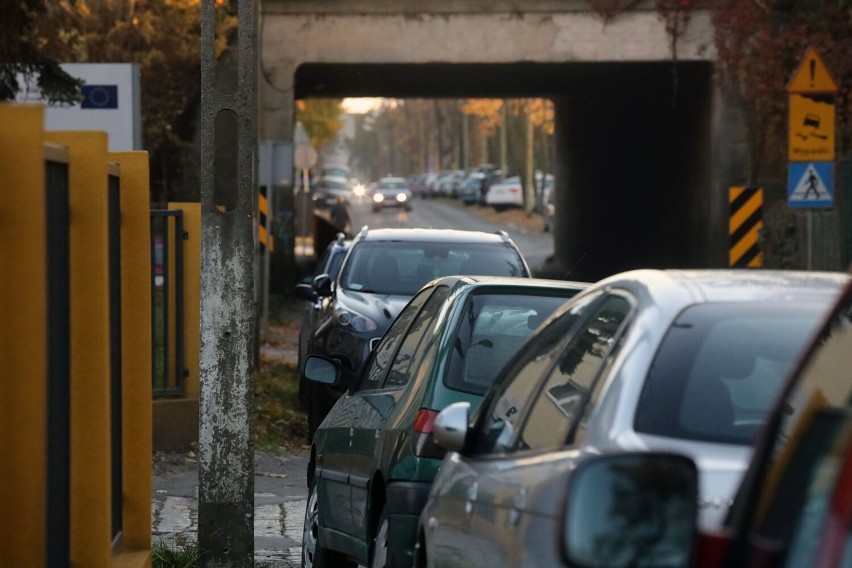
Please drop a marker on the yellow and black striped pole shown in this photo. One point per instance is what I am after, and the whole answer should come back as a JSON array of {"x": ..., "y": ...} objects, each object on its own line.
[
  {"x": 264, "y": 236},
  {"x": 744, "y": 225}
]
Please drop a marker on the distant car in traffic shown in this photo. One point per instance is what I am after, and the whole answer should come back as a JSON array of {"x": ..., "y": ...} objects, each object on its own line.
[
  {"x": 381, "y": 271},
  {"x": 374, "y": 450},
  {"x": 329, "y": 189},
  {"x": 392, "y": 192},
  {"x": 684, "y": 362}
]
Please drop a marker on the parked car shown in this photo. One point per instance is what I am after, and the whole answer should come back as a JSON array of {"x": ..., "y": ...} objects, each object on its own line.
[
  {"x": 391, "y": 192},
  {"x": 505, "y": 194},
  {"x": 662, "y": 361},
  {"x": 382, "y": 270},
  {"x": 794, "y": 507},
  {"x": 326, "y": 268},
  {"x": 470, "y": 191},
  {"x": 373, "y": 458}
]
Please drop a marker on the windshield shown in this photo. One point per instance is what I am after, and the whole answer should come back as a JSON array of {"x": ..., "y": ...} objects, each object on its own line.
[
  {"x": 720, "y": 368},
  {"x": 402, "y": 268},
  {"x": 393, "y": 184}
]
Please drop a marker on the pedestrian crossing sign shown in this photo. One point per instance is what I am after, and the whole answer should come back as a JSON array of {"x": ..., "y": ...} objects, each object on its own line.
[{"x": 810, "y": 185}]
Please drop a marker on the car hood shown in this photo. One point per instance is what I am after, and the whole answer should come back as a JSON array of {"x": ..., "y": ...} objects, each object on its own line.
[{"x": 381, "y": 308}]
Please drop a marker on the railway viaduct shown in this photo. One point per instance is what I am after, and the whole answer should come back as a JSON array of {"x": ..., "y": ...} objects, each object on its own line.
[{"x": 646, "y": 141}]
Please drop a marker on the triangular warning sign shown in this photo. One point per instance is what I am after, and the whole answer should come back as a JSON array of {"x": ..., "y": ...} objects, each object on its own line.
[
  {"x": 810, "y": 187},
  {"x": 811, "y": 76}
]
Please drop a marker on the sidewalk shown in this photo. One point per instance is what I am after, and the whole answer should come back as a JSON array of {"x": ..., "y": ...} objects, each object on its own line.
[{"x": 280, "y": 493}]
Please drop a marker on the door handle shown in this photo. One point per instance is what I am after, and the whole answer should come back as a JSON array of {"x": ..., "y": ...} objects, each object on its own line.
[
  {"x": 471, "y": 497},
  {"x": 518, "y": 505}
]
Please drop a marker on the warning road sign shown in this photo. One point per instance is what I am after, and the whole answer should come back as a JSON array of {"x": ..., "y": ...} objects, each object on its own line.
[
  {"x": 811, "y": 132},
  {"x": 811, "y": 185},
  {"x": 812, "y": 76}
]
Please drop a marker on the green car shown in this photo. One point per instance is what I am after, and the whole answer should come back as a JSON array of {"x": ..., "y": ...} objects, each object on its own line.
[{"x": 373, "y": 458}]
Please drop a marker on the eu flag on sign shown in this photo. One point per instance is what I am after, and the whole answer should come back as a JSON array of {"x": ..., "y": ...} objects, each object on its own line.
[{"x": 99, "y": 96}]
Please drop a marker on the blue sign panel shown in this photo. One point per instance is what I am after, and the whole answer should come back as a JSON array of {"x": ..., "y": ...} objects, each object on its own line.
[
  {"x": 99, "y": 96},
  {"x": 810, "y": 185}
]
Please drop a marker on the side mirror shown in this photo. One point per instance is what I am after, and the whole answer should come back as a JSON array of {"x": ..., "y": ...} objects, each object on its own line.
[
  {"x": 632, "y": 509},
  {"x": 321, "y": 370},
  {"x": 304, "y": 291},
  {"x": 322, "y": 285},
  {"x": 451, "y": 426}
]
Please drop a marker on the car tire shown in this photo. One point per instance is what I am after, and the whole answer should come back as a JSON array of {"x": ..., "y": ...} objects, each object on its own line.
[
  {"x": 379, "y": 553},
  {"x": 314, "y": 555}
]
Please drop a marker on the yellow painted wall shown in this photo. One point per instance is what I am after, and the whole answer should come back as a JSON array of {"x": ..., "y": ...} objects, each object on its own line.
[
  {"x": 23, "y": 337},
  {"x": 136, "y": 348},
  {"x": 90, "y": 356}
]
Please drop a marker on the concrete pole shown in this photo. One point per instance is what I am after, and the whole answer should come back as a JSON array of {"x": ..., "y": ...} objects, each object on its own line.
[
  {"x": 504, "y": 138},
  {"x": 228, "y": 315}
]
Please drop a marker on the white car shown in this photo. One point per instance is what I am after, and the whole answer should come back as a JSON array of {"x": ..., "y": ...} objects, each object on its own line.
[{"x": 507, "y": 193}]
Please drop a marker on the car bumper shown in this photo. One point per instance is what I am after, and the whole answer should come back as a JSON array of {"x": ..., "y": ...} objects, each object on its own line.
[{"x": 405, "y": 501}]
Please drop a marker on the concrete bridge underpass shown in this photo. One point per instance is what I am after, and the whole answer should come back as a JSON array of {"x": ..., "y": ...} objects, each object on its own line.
[{"x": 646, "y": 146}]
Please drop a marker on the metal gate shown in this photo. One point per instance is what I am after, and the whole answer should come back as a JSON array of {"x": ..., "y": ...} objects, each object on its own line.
[{"x": 167, "y": 297}]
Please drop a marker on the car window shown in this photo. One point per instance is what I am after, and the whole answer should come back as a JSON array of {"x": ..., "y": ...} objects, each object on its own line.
[
  {"x": 403, "y": 267},
  {"x": 494, "y": 326},
  {"x": 560, "y": 403},
  {"x": 335, "y": 263},
  {"x": 408, "y": 358},
  {"x": 719, "y": 369},
  {"x": 377, "y": 366},
  {"x": 504, "y": 411}
]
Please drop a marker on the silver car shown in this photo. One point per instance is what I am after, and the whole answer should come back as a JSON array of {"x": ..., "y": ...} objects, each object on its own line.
[{"x": 668, "y": 361}]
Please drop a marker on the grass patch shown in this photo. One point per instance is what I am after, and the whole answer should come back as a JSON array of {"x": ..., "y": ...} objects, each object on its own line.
[
  {"x": 184, "y": 553},
  {"x": 280, "y": 422}
]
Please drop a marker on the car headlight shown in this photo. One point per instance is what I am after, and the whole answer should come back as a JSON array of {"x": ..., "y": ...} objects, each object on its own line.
[
  {"x": 354, "y": 320},
  {"x": 358, "y": 190},
  {"x": 378, "y": 197},
  {"x": 401, "y": 197}
]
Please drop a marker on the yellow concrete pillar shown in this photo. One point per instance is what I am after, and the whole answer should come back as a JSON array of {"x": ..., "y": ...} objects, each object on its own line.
[
  {"x": 136, "y": 348},
  {"x": 90, "y": 353},
  {"x": 23, "y": 337}
]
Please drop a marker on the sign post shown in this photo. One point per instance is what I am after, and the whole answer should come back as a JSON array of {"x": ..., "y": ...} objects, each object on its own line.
[{"x": 810, "y": 179}]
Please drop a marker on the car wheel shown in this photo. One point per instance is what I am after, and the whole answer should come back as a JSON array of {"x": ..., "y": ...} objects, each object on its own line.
[
  {"x": 379, "y": 553},
  {"x": 314, "y": 555}
]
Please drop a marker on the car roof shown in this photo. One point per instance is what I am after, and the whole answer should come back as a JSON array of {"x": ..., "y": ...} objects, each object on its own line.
[
  {"x": 432, "y": 235},
  {"x": 724, "y": 285}
]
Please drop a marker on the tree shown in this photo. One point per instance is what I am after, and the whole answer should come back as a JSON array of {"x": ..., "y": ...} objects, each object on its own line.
[
  {"x": 164, "y": 38},
  {"x": 321, "y": 119},
  {"x": 20, "y": 56}
]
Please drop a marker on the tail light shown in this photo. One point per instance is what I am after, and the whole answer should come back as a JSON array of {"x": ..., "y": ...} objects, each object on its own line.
[{"x": 424, "y": 442}]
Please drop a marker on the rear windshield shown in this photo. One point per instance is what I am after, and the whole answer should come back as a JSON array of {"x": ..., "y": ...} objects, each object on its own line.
[
  {"x": 494, "y": 328},
  {"x": 402, "y": 268},
  {"x": 719, "y": 369}
]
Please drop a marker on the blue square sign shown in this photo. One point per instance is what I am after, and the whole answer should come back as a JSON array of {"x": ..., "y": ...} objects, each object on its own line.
[{"x": 810, "y": 185}]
